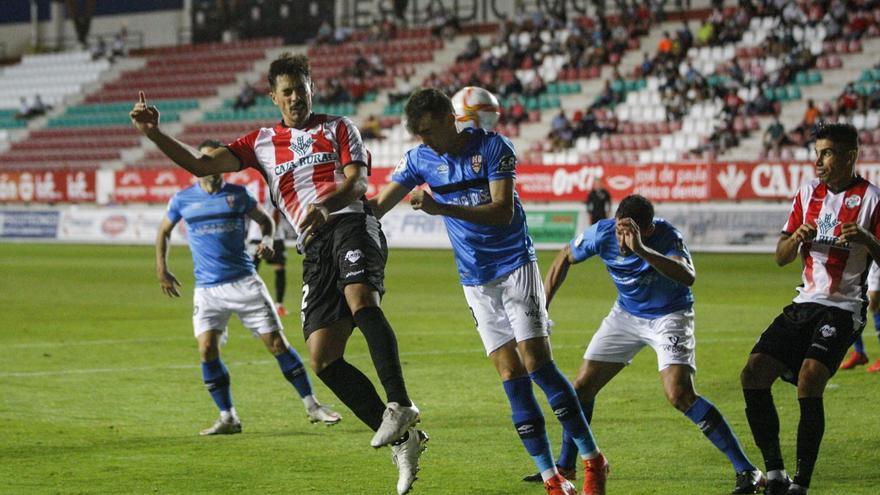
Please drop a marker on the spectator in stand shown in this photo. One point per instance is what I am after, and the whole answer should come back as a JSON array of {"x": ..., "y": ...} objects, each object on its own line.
[
  {"x": 402, "y": 90},
  {"x": 357, "y": 88},
  {"x": 99, "y": 50},
  {"x": 513, "y": 86},
  {"x": 646, "y": 66},
  {"x": 119, "y": 49},
  {"x": 471, "y": 50},
  {"x": 561, "y": 132},
  {"x": 848, "y": 101},
  {"x": 372, "y": 128},
  {"x": 588, "y": 125},
  {"x": 705, "y": 34},
  {"x": 685, "y": 37},
  {"x": 536, "y": 86},
  {"x": 246, "y": 98},
  {"x": 325, "y": 34},
  {"x": 24, "y": 110},
  {"x": 517, "y": 114},
  {"x": 774, "y": 136},
  {"x": 664, "y": 46},
  {"x": 38, "y": 107}
]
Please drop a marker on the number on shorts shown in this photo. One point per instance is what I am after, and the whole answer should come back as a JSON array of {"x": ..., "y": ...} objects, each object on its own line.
[{"x": 305, "y": 295}]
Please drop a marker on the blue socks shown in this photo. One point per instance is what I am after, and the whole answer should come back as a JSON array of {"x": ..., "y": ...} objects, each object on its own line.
[
  {"x": 529, "y": 421},
  {"x": 704, "y": 414},
  {"x": 292, "y": 368},
  {"x": 216, "y": 378},
  {"x": 859, "y": 345},
  {"x": 568, "y": 452},
  {"x": 566, "y": 407}
]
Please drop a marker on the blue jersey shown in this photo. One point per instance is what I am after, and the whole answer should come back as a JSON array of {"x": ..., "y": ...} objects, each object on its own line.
[
  {"x": 482, "y": 252},
  {"x": 642, "y": 290},
  {"x": 216, "y": 226}
]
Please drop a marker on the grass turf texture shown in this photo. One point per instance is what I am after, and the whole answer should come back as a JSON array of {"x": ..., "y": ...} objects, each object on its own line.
[{"x": 100, "y": 389}]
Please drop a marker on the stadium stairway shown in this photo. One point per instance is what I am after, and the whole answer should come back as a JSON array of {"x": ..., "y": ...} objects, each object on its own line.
[{"x": 833, "y": 82}]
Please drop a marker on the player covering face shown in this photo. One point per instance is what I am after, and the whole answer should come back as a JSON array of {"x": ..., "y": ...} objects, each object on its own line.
[
  {"x": 471, "y": 175},
  {"x": 652, "y": 269}
]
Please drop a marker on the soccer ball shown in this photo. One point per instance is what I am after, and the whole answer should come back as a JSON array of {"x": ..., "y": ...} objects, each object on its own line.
[{"x": 475, "y": 107}]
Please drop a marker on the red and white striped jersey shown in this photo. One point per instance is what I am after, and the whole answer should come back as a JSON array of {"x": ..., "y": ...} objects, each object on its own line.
[
  {"x": 834, "y": 275},
  {"x": 303, "y": 166}
]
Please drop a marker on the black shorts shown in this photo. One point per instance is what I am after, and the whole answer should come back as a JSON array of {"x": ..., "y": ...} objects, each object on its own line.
[
  {"x": 350, "y": 249},
  {"x": 809, "y": 330},
  {"x": 278, "y": 258}
]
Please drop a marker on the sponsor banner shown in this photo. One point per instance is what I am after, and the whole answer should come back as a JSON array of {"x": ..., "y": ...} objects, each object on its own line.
[
  {"x": 407, "y": 228},
  {"x": 686, "y": 182},
  {"x": 158, "y": 185},
  {"x": 729, "y": 227},
  {"x": 114, "y": 225},
  {"x": 727, "y": 181},
  {"x": 47, "y": 186},
  {"x": 552, "y": 226},
  {"x": 23, "y": 224}
]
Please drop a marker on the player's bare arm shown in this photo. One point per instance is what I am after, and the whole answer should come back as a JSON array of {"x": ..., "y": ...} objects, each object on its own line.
[
  {"x": 388, "y": 198},
  {"x": 677, "y": 268},
  {"x": 146, "y": 119},
  {"x": 557, "y": 272},
  {"x": 267, "y": 230},
  {"x": 788, "y": 244},
  {"x": 167, "y": 281},
  {"x": 498, "y": 211},
  {"x": 353, "y": 188}
]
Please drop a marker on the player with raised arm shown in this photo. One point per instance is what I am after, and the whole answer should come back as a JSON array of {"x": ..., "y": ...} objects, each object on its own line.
[
  {"x": 215, "y": 214},
  {"x": 834, "y": 224},
  {"x": 316, "y": 167},
  {"x": 471, "y": 175},
  {"x": 652, "y": 269}
]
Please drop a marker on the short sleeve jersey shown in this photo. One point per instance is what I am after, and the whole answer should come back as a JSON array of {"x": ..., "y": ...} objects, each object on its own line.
[
  {"x": 303, "y": 166},
  {"x": 482, "y": 252},
  {"x": 834, "y": 275},
  {"x": 641, "y": 290},
  {"x": 216, "y": 227}
]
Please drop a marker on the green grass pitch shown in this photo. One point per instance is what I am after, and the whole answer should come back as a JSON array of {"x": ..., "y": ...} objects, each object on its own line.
[{"x": 100, "y": 389}]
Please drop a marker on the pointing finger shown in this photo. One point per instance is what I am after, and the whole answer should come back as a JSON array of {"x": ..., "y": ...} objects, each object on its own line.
[{"x": 142, "y": 98}]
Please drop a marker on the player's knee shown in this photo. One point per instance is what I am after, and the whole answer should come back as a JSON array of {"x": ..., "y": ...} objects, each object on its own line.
[
  {"x": 681, "y": 398},
  {"x": 209, "y": 352},
  {"x": 749, "y": 377}
]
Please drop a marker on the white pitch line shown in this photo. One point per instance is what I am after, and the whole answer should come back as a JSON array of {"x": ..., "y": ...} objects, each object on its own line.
[
  {"x": 29, "y": 374},
  {"x": 32, "y": 345}
]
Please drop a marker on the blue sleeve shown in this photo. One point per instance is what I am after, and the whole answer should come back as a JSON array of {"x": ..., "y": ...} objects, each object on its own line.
[
  {"x": 586, "y": 244},
  {"x": 173, "y": 210},
  {"x": 501, "y": 159},
  {"x": 406, "y": 172},
  {"x": 675, "y": 246},
  {"x": 250, "y": 202}
]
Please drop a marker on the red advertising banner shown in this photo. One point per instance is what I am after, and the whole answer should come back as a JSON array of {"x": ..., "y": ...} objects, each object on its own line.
[
  {"x": 158, "y": 185},
  {"x": 47, "y": 186}
]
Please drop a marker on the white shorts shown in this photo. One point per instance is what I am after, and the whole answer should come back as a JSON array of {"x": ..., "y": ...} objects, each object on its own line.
[
  {"x": 509, "y": 307},
  {"x": 874, "y": 278},
  {"x": 622, "y": 335},
  {"x": 247, "y": 297}
]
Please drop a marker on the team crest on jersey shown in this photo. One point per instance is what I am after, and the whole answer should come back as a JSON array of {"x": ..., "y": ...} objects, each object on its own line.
[
  {"x": 443, "y": 169},
  {"x": 826, "y": 225},
  {"x": 230, "y": 200},
  {"x": 302, "y": 145},
  {"x": 853, "y": 201},
  {"x": 476, "y": 163},
  {"x": 827, "y": 331},
  {"x": 353, "y": 256},
  {"x": 507, "y": 163}
]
